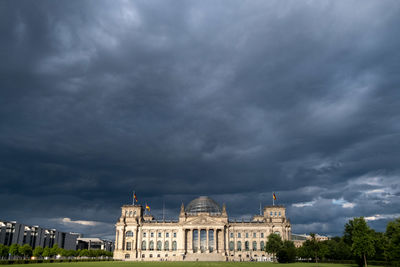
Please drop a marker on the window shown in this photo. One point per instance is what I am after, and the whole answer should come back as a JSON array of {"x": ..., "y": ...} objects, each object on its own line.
[
  {"x": 159, "y": 234},
  {"x": 167, "y": 235},
  {"x": 278, "y": 233},
  {"x": 271, "y": 213},
  {"x": 151, "y": 245},
  {"x": 129, "y": 234},
  {"x": 159, "y": 245},
  {"x": 151, "y": 234},
  {"x": 247, "y": 235},
  {"x": 174, "y": 245},
  {"x": 246, "y": 245},
  {"x": 158, "y": 255},
  {"x": 275, "y": 213},
  {"x": 130, "y": 213},
  {"x": 143, "y": 255},
  {"x": 254, "y": 235},
  {"x": 279, "y": 213},
  {"x": 231, "y": 246},
  {"x": 231, "y": 235},
  {"x": 239, "y": 235},
  {"x": 262, "y": 235},
  {"x": 239, "y": 246},
  {"x": 143, "y": 245},
  {"x": 128, "y": 245},
  {"x": 144, "y": 234},
  {"x": 262, "y": 245},
  {"x": 174, "y": 234},
  {"x": 254, "y": 245},
  {"x": 127, "y": 256},
  {"x": 166, "y": 245},
  {"x": 151, "y": 255}
]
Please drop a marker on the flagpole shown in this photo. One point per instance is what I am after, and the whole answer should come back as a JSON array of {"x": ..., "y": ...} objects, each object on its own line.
[
  {"x": 133, "y": 198},
  {"x": 163, "y": 209}
]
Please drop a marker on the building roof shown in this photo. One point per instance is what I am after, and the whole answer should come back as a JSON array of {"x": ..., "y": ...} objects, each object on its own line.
[{"x": 203, "y": 204}]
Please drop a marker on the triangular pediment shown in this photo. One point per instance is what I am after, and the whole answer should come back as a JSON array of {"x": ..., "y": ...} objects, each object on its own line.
[{"x": 205, "y": 220}]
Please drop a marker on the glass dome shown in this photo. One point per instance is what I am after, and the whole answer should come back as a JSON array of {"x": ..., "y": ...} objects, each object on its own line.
[{"x": 203, "y": 204}]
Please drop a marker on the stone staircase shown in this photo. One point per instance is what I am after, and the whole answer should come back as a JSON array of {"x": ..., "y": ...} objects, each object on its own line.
[{"x": 205, "y": 257}]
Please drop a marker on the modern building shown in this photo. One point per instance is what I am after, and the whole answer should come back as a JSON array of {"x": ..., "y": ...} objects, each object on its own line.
[
  {"x": 93, "y": 243},
  {"x": 298, "y": 240},
  {"x": 202, "y": 232},
  {"x": 16, "y": 233}
]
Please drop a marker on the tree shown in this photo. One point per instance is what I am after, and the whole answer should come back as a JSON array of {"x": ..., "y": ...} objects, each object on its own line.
[
  {"x": 274, "y": 244},
  {"x": 46, "y": 252},
  {"x": 287, "y": 252},
  {"x": 25, "y": 250},
  {"x": 363, "y": 241},
  {"x": 55, "y": 250},
  {"x": 392, "y": 234},
  {"x": 84, "y": 253},
  {"x": 14, "y": 250},
  {"x": 314, "y": 246},
  {"x": 38, "y": 251},
  {"x": 3, "y": 251}
]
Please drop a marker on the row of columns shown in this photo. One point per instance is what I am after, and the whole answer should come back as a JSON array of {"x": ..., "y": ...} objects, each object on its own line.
[{"x": 189, "y": 240}]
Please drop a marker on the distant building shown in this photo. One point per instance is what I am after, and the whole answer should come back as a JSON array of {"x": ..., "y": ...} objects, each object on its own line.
[
  {"x": 94, "y": 243},
  {"x": 202, "y": 232},
  {"x": 300, "y": 239},
  {"x": 16, "y": 233}
]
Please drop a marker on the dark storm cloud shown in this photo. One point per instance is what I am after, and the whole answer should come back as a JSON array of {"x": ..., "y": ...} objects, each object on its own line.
[{"x": 230, "y": 99}]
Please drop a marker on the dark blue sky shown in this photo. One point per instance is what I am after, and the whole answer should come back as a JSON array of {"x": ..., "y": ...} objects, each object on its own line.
[{"x": 176, "y": 99}]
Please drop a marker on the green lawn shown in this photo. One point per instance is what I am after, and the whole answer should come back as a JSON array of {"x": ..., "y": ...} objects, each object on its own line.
[{"x": 181, "y": 264}]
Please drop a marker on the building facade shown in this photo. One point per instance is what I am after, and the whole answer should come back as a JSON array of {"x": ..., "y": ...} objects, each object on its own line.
[
  {"x": 16, "y": 233},
  {"x": 202, "y": 232},
  {"x": 94, "y": 243}
]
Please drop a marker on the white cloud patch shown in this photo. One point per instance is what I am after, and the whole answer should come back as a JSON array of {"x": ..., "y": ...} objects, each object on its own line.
[
  {"x": 345, "y": 204},
  {"x": 68, "y": 221},
  {"x": 382, "y": 217},
  {"x": 304, "y": 204}
]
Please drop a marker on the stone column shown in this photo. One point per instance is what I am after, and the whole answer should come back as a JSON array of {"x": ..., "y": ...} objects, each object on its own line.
[
  {"x": 199, "y": 240},
  {"x": 216, "y": 240},
  {"x": 181, "y": 240},
  {"x": 207, "y": 240}
]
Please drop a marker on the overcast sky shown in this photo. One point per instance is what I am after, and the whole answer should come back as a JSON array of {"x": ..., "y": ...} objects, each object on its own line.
[{"x": 177, "y": 99}]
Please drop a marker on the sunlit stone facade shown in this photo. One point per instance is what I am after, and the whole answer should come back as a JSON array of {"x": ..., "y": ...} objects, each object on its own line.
[{"x": 202, "y": 232}]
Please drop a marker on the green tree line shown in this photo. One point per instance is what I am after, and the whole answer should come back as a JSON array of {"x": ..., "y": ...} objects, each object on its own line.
[
  {"x": 359, "y": 243},
  {"x": 26, "y": 251}
]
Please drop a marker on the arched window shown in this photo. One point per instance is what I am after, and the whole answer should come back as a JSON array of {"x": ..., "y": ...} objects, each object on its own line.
[
  {"x": 239, "y": 246},
  {"x": 166, "y": 245},
  {"x": 159, "y": 244},
  {"x": 254, "y": 245},
  {"x": 129, "y": 234},
  {"x": 174, "y": 245},
  {"x": 151, "y": 245},
  {"x": 246, "y": 245},
  {"x": 231, "y": 246},
  {"x": 143, "y": 245},
  {"x": 127, "y": 256},
  {"x": 262, "y": 245},
  {"x": 130, "y": 213}
]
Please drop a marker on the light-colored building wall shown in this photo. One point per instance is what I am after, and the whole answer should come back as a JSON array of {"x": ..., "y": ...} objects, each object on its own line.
[{"x": 140, "y": 237}]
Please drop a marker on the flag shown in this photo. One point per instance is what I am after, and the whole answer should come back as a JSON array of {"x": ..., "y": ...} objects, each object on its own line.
[
  {"x": 273, "y": 196},
  {"x": 147, "y": 207},
  {"x": 134, "y": 197}
]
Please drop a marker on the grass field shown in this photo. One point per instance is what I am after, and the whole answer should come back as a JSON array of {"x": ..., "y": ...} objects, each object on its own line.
[{"x": 182, "y": 264}]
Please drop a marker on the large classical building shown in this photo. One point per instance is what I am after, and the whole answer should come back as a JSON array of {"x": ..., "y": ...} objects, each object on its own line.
[{"x": 202, "y": 232}]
